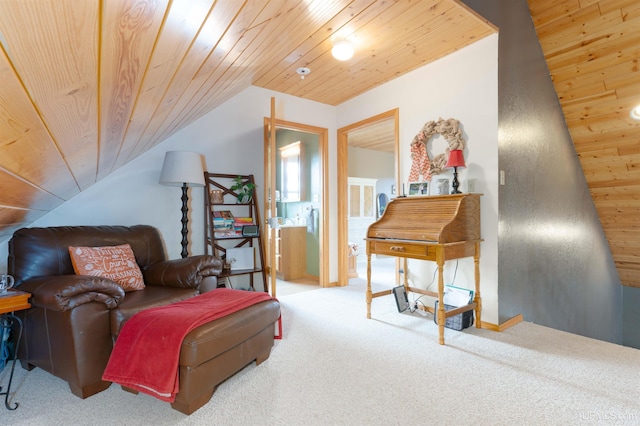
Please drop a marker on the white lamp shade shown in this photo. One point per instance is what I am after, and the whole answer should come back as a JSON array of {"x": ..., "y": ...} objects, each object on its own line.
[
  {"x": 182, "y": 167},
  {"x": 342, "y": 50}
]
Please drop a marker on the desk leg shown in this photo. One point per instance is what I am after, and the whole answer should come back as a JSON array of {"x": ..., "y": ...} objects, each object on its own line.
[
  {"x": 11, "y": 319},
  {"x": 477, "y": 298},
  {"x": 405, "y": 278},
  {"x": 441, "y": 312},
  {"x": 369, "y": 294}
]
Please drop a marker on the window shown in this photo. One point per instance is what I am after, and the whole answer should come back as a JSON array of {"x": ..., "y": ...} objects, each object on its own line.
[{"x": 291, "y": 171}]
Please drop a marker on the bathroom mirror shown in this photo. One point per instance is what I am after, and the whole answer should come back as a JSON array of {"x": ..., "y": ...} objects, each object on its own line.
[{"x": 291, "y": 185}]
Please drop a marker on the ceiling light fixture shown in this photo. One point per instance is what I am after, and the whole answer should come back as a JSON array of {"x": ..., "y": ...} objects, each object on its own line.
[
  {"x": 342, "y": 50},
  {"x": 635, "y": 113},
  {"x": 302, "y": 71}
]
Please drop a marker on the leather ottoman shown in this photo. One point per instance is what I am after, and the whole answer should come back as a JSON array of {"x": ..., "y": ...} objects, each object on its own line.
[{"x": 217, "y": 350}]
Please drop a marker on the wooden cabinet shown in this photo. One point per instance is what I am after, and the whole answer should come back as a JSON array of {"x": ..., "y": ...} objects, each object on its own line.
[
  {"x": 362, "y": 207},
  {"x": 291, "y": 252},
  {"x": 362, "y": 193}
]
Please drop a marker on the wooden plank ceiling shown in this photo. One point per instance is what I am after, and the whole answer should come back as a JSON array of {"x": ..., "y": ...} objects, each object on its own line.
[
  {"x": 89, "y": 85},
  {"x": 379, "y": 136},
  {"x": 592, "y": 49}
]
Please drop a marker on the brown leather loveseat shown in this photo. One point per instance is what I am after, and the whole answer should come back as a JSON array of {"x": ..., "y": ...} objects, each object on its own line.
[{"x": 70, "y": 329}]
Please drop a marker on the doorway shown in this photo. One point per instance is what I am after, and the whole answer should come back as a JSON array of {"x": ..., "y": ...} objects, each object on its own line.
[
  {"x": 358, "y": 190},
  {"x": 297, "y": 178}
]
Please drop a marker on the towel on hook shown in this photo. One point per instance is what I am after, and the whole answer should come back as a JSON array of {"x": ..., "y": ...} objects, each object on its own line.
[{"x": 311, "y": 221}]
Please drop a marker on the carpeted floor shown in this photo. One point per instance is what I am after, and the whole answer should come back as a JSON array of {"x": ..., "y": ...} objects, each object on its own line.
[{"x": 335, "y": 367}]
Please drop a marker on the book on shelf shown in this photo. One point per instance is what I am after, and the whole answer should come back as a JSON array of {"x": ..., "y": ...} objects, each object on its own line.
[
  {"x": 243, "y": 220},
  {"x": 220, "y": 223},
  {"x": 222, "y": 214},
  {"x": 239, "y": 222},
  {"x": 226, "y": 233}
]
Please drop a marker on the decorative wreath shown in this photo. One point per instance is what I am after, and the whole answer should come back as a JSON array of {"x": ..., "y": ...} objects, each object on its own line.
[{"x": 421, "y": 163}]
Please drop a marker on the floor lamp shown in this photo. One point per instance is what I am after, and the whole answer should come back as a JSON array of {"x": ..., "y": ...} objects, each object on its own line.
[{"x": 183, "y": 168}]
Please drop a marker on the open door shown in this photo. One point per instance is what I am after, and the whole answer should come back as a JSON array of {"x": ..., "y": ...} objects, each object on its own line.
[
  {"x": 369, "y": 129},
  {"x": 269, "y": 196},
  {"x": 315, "y": 202}
]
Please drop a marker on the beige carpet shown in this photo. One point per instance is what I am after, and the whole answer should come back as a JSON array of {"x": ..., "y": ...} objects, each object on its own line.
[
  {"x": 287, "y": 288},
  {"x": 335, "y": 367}
]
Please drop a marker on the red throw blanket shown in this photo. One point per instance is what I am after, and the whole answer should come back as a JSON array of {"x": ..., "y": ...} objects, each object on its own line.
[{"x": 146, "y": 354}]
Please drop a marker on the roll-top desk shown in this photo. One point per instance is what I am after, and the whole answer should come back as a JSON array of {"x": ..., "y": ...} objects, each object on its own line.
[{"x": 433, "y": 228}]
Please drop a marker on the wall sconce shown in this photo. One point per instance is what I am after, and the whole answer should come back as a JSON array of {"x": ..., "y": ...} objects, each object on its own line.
[
  {"x": 456, "y": 159},
  {"x": 342, "y": 50},
  {"x": 183, "y": 168}
]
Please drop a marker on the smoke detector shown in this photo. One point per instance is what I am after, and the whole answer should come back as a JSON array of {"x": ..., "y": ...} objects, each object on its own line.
[{"x": 303, "y": 71}]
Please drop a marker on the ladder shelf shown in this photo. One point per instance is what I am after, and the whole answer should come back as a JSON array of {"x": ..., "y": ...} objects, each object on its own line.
[{"x": 234, "y": 228}]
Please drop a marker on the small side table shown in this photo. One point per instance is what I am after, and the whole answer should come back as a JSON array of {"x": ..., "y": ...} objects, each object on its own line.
[{"x": 10, "y": 302}]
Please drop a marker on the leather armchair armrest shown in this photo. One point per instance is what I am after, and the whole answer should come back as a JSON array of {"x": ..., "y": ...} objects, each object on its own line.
[
  {"x": 183, "y": 273},
  {"x": 64, "y": 292}
]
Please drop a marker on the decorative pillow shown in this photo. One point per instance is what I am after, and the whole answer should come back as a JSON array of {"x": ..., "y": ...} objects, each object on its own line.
[{"x": 118, "y": 263}]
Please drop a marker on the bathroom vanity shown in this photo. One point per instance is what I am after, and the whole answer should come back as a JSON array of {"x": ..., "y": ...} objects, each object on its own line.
[{"x": 291, "y": 252}]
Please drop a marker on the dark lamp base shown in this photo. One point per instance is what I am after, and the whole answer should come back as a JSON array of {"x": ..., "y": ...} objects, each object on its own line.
[{"x": 455, "y": 184}]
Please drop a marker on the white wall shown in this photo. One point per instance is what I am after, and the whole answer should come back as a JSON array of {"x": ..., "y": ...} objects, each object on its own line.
[{"x": 464, "y": 86}]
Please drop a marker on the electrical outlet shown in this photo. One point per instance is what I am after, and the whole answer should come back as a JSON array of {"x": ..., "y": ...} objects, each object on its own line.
[
  {"x": 502, "y": 178},
  {"x": 471, "y": 185}
]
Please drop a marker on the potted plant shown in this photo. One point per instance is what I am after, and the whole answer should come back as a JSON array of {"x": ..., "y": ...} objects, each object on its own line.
[{"x": 243, "y": 189}]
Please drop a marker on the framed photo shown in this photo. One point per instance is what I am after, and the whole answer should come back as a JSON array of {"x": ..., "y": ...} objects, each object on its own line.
[
  {"x": 241, "y": 258},
  {"x": 250, "y": 231},
  {"x": 418, "y": 188},
  {"x": 216, "y": 196},
  {"x": 440, "y": 187}
]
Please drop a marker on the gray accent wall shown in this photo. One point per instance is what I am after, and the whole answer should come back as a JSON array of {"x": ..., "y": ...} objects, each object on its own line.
[
  {"x": 630, "y": 316},
  {"x": 554, "y": 263}
]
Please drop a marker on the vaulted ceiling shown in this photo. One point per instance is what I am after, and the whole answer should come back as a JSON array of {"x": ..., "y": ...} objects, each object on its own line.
[
  {"x": 592, "y": 49},
  {"x": 89, "y": 85},
  {"x": 86, "y": 86}
]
